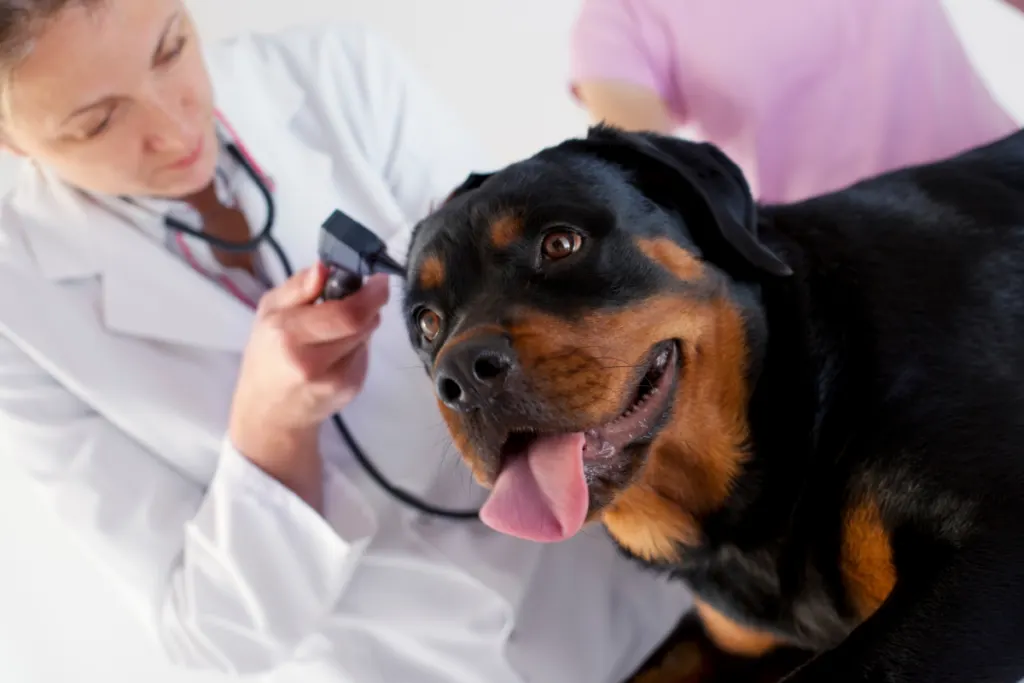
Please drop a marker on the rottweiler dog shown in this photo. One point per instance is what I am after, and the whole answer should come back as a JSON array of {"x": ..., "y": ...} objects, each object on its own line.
[{"x": 811, "y": 413}]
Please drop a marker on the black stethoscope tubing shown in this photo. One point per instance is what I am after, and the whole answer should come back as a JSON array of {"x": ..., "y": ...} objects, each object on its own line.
[{"x": 251, "y": 245}]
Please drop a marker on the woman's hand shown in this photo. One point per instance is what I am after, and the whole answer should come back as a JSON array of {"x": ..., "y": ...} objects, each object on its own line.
[{"x": 304, "y": 362}]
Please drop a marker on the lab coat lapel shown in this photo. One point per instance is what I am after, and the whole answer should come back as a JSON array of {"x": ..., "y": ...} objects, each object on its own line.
[
  {"x": 153, "y": 294},
  {"x": 147, "y": 292},
  {"x": 116, "y": 321}
]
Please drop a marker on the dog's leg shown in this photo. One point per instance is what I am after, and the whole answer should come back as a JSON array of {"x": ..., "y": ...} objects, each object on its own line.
[{"x": 962, "y": 622}]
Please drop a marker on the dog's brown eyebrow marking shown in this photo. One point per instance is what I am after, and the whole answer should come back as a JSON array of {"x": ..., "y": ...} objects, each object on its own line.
[
  {"x": 867, "y": 564},
  {"x": 672, "y": 257},
  {"x": 505, "y": 229},
  {"x": 431, "y": 275}
]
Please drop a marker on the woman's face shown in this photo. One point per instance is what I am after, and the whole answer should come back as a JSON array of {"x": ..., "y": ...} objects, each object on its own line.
[{"x": 115, "y": 98}]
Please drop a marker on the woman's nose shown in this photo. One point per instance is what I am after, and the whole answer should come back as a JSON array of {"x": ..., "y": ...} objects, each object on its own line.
[{"x": 171, "y": 128}]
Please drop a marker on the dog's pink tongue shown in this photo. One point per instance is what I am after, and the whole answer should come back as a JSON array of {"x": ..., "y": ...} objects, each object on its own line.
[{"x": 541, "y": 495}]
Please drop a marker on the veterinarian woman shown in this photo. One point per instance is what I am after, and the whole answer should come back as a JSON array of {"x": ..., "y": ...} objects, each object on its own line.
[
  {"x": 806, "y": 96},
  {"x": 170, "y": 399}
]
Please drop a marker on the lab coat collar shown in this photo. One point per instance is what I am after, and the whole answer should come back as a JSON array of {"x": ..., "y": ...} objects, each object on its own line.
[{"x": 147, "y": 291}]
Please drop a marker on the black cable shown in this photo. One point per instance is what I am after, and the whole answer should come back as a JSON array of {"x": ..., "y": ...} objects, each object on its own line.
[
  {"x": 350, "y": 440},
  {"x": 403, "y": 496},
  {"x": 252, "y": 244}
]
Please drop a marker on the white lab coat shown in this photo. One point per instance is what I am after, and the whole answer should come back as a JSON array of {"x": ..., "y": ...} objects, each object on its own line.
[{"x": 117, "y": 364}]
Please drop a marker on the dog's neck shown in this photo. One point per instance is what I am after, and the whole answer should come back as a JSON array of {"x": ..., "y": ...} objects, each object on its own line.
[{"x": 796, "y": 374}]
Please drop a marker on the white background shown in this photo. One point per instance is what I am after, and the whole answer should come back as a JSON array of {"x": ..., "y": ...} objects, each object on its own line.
[{"x": 503, "y": 64}]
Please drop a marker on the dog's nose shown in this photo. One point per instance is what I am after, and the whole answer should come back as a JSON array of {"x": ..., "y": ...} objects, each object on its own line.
[{"x": 474, "y": 371}]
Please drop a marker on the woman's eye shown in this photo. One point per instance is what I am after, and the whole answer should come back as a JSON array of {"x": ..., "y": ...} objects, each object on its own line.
[
  {"x": 560, "y": 243},
  {"x": 429, "y": 323},
  {"x": 170, "y": 55},
  {"x": 99, "y": 128}
]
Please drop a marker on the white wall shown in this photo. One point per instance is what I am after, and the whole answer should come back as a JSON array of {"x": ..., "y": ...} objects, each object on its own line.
[{"x": 503, "y": 64}]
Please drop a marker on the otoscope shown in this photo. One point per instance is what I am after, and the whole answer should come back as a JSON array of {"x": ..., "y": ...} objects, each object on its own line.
[{"x": 351, "y": 253}]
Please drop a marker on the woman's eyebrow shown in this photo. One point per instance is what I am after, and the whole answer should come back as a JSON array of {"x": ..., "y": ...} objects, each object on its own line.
[
  {"x": 163, "y": 36},
  {"x": 156, "y": 55}
]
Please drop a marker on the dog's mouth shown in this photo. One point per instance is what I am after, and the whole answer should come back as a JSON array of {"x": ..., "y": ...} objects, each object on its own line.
[{"x": 542, "y": 492}]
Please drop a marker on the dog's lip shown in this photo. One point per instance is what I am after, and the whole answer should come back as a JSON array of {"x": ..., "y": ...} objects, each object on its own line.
[
  {"x": 647, "y": 404},
  {"x": 635, "y": 423}
]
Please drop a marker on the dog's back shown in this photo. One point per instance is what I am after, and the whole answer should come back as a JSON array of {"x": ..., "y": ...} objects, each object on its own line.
[{"x": 922, "y": 273}]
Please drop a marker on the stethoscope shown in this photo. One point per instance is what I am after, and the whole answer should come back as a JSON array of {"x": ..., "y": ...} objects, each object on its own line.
[{"x": 253, "y": 244}]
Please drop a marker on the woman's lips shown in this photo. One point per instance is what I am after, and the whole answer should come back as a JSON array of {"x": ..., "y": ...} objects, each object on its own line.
[{"x": 189, "y": 159}]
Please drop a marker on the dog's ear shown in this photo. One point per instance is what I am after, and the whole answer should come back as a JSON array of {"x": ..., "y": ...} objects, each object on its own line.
[
  {"x": 699, "y": 181},
  {"x": 472, "y": 182}
]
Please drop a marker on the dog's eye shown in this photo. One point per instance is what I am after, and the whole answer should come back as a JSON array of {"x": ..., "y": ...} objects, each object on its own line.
[
  {"x": 560, "y": 243},
  {"x": 429, "y": 323}
]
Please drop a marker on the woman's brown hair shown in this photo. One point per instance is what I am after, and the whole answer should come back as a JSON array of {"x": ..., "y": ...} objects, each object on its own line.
[{"x": 20, "y": 24}]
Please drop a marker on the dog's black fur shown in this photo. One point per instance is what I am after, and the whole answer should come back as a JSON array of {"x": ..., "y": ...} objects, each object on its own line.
[{"x": 884, "y": 345}]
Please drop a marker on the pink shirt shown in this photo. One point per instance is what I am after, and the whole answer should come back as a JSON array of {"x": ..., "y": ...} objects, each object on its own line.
[{"x": 807, "y": 96}]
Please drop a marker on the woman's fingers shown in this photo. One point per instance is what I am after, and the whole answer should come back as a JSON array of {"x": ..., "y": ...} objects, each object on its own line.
[
  {"x": 334, "y": 320},
  {"x": 320, "y": 359},
  {"x": 304, "y": 360},
  {"x": 301, "y": 288},
  {"x": 345, "y": 379}
]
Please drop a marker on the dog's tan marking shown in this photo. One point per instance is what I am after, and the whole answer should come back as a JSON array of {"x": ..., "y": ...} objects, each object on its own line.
[
  {"x": 672, "y": 257},
  {"x": 650, "y": 526},
  {"x": 867, "y": 566},
  {"x": 734, "y": 638},
  {"x": 432, "y": 273},
  {"x": 505, "y": 229}
]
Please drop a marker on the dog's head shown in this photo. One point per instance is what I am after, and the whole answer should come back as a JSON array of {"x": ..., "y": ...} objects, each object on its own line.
[{"x": 589, "y": 319}]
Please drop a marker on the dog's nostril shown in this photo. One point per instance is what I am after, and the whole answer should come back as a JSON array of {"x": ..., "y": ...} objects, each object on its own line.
[
  {"x": 488, "y": 367},
  {"x": 450, "y": 390}
]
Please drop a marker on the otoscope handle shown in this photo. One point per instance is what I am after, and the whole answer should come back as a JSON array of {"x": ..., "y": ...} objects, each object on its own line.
[
  {"x": 351, "y": 252},
  {"x": 340, "y": 284}
]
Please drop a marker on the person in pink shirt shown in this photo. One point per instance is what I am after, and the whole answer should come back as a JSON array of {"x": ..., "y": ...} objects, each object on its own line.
[{"x": 807, "y": 96}]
